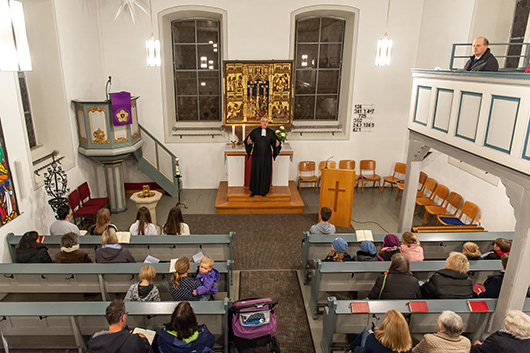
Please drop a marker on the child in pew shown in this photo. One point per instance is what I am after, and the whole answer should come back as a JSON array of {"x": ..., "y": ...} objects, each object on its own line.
[
  {"x": 502, "y": 246},
  {"x": 390, "y": 247},
  {"x": 410, "y": 247},
  {"x": 181, "y": 286},
  {"x": 175, "y": 223},
  {"x": 144, "y": 291},
  {"x": 29, "y": 251},
  {"x": 471, "y": 250},
  {"x": 102, "y": 222},
  {"x": 70, "y": 253},
  {"x": 338, "y": 251},
  {"x": 143, "y": 224},
  {"x": 208, "y": 276},
  {"x": 323, "y": 226},
  {"x": 367, "y": 253}
]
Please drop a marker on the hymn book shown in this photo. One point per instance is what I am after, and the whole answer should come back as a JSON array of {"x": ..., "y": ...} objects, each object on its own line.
[
  {"x": 360, "y": 307},
  {"x": 124, "y": 237},
  {"x": 363, "y": 235},
  {"x": 418, "y": 307},
  {"x": 477, "y": 305},
  {"x": 149, "y": 334},
  {"x": 172, "y": 265}
]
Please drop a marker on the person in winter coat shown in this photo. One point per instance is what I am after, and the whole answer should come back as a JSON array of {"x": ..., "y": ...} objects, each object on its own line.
[
  {"x": 396, "y": 283},
  {"x": 29, "y": 251},
  {"x": 452, "y": 282},
  {"x": 70, "y": 253},
  {"x": 502, "y": 246},
  {"x": 183, "y": 334},
  {"x": 144, "y": 291},
  {"x": 449, "y": 337},
  {"x": 338, "y": 251},
  {"x": 514, "y": 338},
  {"x": 323, "y": 226},
  {"x": 367, "y": 252},
  {"x": 410, "y": 247},
  {"x": 208, "y": 276},
  {"x": 390, "y": 247},
  {"x": 111, "y": 251},
  {"x": 118, "y": 339}
]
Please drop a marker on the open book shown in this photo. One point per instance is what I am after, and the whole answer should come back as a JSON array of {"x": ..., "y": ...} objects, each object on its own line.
[
  {"x": 124, "y": 237},
  {"x": 363, "y": 235},
  {"x": 149, "y": 334},
  {"x": 172, "y": 265}
]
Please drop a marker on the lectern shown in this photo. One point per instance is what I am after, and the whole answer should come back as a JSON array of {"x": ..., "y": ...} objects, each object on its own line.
[{"x": 336, "y": 192}]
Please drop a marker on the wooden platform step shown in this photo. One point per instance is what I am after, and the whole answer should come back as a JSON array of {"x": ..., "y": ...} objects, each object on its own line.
[{"x": 238, "y": 201}]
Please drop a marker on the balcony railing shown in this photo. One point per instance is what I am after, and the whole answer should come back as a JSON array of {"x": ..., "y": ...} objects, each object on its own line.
[{"x": 511, "y": 56}]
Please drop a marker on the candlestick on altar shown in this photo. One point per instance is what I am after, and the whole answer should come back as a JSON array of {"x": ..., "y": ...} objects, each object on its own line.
[
  {"x": 233, "y": 133},
  {"x": 243, "y": 135}
]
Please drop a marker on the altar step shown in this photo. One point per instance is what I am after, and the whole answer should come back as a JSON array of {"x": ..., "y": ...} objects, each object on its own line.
[{"x": 237, "y": 200}]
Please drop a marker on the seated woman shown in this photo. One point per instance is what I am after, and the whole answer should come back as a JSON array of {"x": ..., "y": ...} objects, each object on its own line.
[
  {"x": 396, "y": 283},
  {"x": 143, "y": 225},
  {"x": 183, "y": 334},
  {"x": 70, "y": 253},
  {"x": 181, "y": 286},
  {"x": 29, "y": 251},
  {"x": 448, "y": 339},
  {"x": 410, "y": 247},
  {"x": 175, "y": 223},
  {"x": 392, "y": 336},
  {"x": 514, "y": 338},
  {"x": 111, "y": 251},
  {"x": 368, "y": 252},
  {"x": 390, "y": 247},
  {"x": 102, "y": 222},
  {"x": 338, "y": 251},
  {"x": 452, "y": 282}
]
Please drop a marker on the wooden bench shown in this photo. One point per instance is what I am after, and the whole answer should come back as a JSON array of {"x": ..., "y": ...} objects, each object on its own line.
[
  {"x": 68, "y": 324},
  {"x": 94, "y": 278},
  {"x": 361, "y": 276},
  {"x": 436, "y": 246},
  {"x": 163, "y": 247},
  {"x": 339, "y": 319}
]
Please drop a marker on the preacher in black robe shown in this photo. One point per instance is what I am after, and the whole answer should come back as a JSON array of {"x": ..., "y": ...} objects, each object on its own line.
[{"x": 264, "y": 145}]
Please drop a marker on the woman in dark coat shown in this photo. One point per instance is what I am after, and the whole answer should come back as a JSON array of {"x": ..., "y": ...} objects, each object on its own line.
[
  {"x": 452, "y": 282},
  {"x": 514, "y": 338},
  {"x": 29, "y": 251},
  {"x": 396, "y": 283}
]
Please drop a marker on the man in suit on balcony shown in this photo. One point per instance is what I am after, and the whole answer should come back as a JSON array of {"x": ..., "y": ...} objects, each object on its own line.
[{"x": 482, "y": 59}]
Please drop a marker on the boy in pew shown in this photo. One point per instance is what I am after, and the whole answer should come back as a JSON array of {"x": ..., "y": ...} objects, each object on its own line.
[
  {"x": 323, "y": 226},
  {"x": 207, "y": 276},
  {"x": 144, "y": 291},
  {"x": 118, "y": 339},
  {"x": 502, "y": 246}
]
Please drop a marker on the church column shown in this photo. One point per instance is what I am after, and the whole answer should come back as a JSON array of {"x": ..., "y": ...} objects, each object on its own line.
[
  {"x": 416, "y": 154},
  {"x": 516, "y": 278}
]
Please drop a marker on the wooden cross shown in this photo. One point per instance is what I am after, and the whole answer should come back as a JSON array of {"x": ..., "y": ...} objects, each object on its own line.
[{"x": 337, "y": 190}]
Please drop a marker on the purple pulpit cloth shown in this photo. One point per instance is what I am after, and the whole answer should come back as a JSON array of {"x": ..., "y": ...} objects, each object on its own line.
[{"x": 121, "y": 108}]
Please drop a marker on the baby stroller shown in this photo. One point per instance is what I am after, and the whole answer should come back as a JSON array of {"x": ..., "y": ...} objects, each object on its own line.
[{"x": 252, "y": 325}]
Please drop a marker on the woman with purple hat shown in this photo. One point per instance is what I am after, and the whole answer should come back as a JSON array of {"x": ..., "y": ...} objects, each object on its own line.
[
  {"x": 338, "y": 251},
  {"x": 390, "y": 247}
]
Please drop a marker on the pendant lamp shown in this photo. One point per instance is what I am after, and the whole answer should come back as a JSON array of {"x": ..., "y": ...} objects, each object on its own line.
[{"x": 384, "y": 45}]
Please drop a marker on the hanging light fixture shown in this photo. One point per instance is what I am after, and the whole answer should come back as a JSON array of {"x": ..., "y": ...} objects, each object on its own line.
[
  {"x": 384, "y": 45},
  {"x": 152, "y": 45},
  {"x": 14, "y": 48}
]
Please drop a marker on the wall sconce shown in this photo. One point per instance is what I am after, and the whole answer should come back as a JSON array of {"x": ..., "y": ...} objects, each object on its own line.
[
  {"x": 384, "y": 46},
  {"x": 14, "y": 48},
  {"x": 152, "y": 45}
]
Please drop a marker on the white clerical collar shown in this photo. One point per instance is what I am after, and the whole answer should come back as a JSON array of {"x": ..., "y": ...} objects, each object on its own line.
[{"x": 263, "y": 132}]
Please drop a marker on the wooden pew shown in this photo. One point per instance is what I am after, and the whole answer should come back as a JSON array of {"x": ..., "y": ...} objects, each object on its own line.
[
  {"x": 339, "y": 319},
  {"x": 361, "y": 276},
  {"x": 436, "y": 246},
  {"x": 163, "y": 247},
  {"x": 94, "y": 278},
  {"x": 67, "y": 324}
]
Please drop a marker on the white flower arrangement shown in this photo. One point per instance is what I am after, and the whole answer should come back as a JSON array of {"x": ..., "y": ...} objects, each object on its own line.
[{"x": 281, "y": 134}]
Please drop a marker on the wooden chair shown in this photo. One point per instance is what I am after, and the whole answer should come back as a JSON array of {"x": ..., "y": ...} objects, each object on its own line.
[
  {"x": 367, "y": 173},
  {"x": 437, "y": 197},
  {"x": 428, "y": 188},
  {"x": 421, "y": 185},
  {"x": 349, "y": 164},
  {"x": 307, "y": 174},
  {"x": 454, "y": 201},
  {"x": 322, "y": 166},
  {"x": 79, "y": 211},
  {"x": 399, "y": 169},
  {"x": 470, "y": 210},
  {"x": 84, "y": 193}
]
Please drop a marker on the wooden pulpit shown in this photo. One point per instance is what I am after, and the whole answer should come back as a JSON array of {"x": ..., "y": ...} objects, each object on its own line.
[{"x": 336, "y": 192}]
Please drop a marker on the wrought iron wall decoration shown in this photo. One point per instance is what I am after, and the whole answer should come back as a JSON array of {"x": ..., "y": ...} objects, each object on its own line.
[
  {"x": 254, "y": 89},
  {"x": 8, "y": 200},
  {"x": 56, "y": 183}
]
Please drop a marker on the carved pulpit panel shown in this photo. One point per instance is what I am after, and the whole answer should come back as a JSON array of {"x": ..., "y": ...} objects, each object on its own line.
[{"x": 336, "y": 192}]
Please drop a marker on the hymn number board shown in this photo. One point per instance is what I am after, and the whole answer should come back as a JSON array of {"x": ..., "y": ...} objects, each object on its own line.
[
  {"x": 256, "y": 89},
  {"x": 363, "y": 117}
]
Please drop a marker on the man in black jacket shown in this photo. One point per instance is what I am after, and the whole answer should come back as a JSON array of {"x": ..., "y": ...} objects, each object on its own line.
[
  {"x": 482, "y": 59},
  {"x": 117, "y": 338}
]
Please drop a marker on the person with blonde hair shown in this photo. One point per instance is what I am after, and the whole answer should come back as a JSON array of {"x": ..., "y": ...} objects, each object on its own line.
[
  {"x": 449, "y": 337},
  {"x": 514, "y": 338},
  {"x": 452, "y": 282},
  {"x": 102, "y": 222},
  {"x": 143, "y": 224},
  {"x": 207, "y": 276},
  {"x": 471, "y": 250},
  {"x": 110, "y": 251},
  {"x": 145, "y": 290},
  {"x": 396, "y": 283},
  {"x": 392, "y": 336},
  {"x": 338, "y": 251},
  {"x": 181, "y": 286},
  {"x": 410, "y": 247}
]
